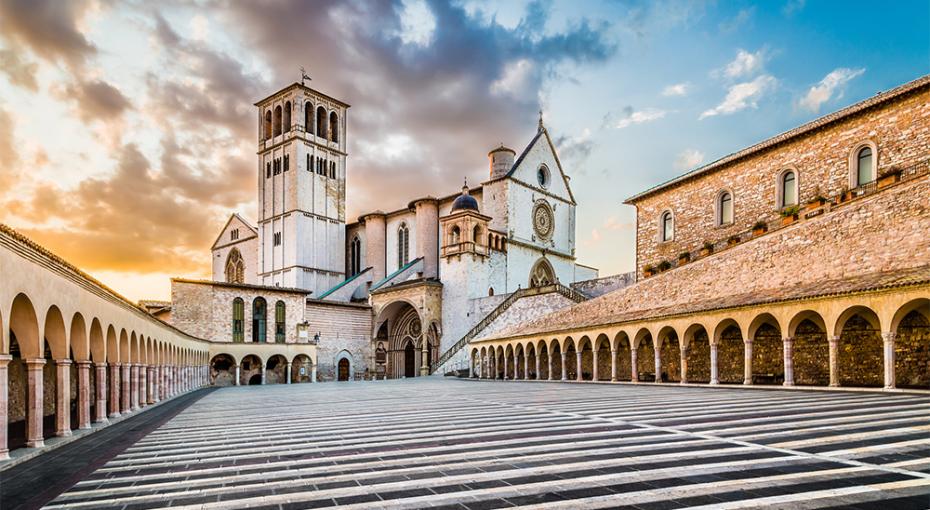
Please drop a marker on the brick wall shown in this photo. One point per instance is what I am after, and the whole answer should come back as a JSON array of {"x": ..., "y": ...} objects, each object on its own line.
[{"x": 900, "y": 129}]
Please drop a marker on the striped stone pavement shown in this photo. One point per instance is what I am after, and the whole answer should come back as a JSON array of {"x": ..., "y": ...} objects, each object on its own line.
[{"x": 431, "y": 442}]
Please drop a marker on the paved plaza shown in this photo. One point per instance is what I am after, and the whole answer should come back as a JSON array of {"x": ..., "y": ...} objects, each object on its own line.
[{"x": 434, "y": 442}]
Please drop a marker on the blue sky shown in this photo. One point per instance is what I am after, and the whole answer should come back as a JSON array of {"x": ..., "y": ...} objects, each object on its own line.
[{"x": 127, "y": 131}]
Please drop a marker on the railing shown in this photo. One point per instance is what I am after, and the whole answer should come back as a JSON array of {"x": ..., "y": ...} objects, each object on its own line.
[
  {"x": 464, "y": 247},
  {"x": 568, "y": 292}
]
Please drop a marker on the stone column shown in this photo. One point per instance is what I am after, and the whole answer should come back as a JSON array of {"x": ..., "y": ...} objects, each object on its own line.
[
  {"x": 506, "y": 366},
  {"x": 594, "y": 371},
  {"x": 261, "y": 370},
  {"x": 578, "y": 366},
  {"x": 63, "y": 398},
  {"x": 134, "y": 386},
  {"x": 424, "y": 354},
  {"x": 714, "y": 379},
  {"x": 538, "y": 376},
  {"x": 526, "y": 367},
  {"x": 747, "y": 361},
  {"x": 657, "y": 355},
  {"x": 100, "y": 415},
  {"x": 4, "y": 405},
  {"x": 888, "y": 339},
  {"x": 156, "y": 384},
  {"x": 563, "y": 366},
  {"x": 35, "y": 395},
  {"x": 313, "y": 373},
  {"x": 83, "y": 394},
  {"x": 126, "y": 389},
  {"x": 143, "y": 386},
  {"x": 788, "y": 351},
  {"x": 684, "y": 365},
  {"x": 634, "y": 365},
  {"x": 834, "y": 342},
  {"x": 613, "y": 366},
  {"x": 114, "y": 390},
  {"x": 236, "y": 382},
  {"x": 549, "y": 363}
]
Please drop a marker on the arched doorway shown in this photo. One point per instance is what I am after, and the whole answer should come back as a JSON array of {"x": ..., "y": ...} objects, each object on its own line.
[
  {"x": 343, "y": 370},
  {"x": 542, "y": 274},
  {"x": 410, "y": 360},
  {"x": 255, "y": 380}
]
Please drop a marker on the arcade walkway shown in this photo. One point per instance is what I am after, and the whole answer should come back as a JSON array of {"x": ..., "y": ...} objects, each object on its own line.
[{"x": 430, "y": 442}]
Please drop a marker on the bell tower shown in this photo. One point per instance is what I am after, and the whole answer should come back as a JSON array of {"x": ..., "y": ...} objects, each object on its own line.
[{"x": 301, "y": 189}]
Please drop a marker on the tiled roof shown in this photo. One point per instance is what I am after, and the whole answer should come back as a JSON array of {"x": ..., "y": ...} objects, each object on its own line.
[{"x": 594, "y": 313}]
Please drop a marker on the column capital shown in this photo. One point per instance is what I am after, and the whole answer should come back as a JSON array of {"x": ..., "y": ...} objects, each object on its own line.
[
  {"x": 788, "y": 339},
  {"x": 83, "y": 362},
  {"x": 889, "y": 336},
  {"x": 747, "y": 341},
  {"x": 115, "y": 364},
  {"x": 34, "y": 362},
  {"x": 5, "y": 359},
  {"x": 63, "y": 362},
  {"x": 833, "y": 339}
]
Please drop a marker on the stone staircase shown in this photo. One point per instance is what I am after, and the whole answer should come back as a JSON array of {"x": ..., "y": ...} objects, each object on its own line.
[{"x": 444, "y": 360}]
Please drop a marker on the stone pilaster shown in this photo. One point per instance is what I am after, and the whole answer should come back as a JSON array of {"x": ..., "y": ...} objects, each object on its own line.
[
  {"x": 563, "y": 365},
  {"x": 578, "y": 366},
  {"x": 114, "y": 390},
  {"x": 83, "y": 394},
  {"x": 594, "y": 372},
  {"x": 134, "y": 386},
  {"x": 35, "y": 395},
  {"x": 288, "y": 372},
  {"x": 657, "y": 359},
  {"x": 634, "y": 365},
  {"x": 143, "y": 385},
  {"x": 100, "y": 375},
  {"x": 126, "y": 389},
  {"x": 63, "y": 398},
  {"x": 4, "y": 404},
  {"x": 684, "y": 365}
]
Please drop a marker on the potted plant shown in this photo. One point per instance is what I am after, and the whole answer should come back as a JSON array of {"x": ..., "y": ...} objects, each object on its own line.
[
  {"x": 760, "y": 227},
  {"x": 649, "y": 270},
  {"x": 732, "y": 240},
  {"x": 664, "y": 266},
  {"x": 707, "y": 248},
  {"x": 845, "y": 195},
  {"x": 684, "y": 257},
  {"x": 817, "y": 201},
  {"x": 789, "y": 215}
]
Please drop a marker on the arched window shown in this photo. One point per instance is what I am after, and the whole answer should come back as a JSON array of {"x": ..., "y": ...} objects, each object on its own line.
[
  {"x": 279, "y": 322},
  {"x": 666, "y": 227},
  {"x": 321, "y": 122},
  {"x": 259, "y": 320},
  {"x": 235, "y": 267},
  {"x": 542, "y": 274},
  {"x": 308, "y": 117},
  {"x": 865, "y": 170},
  {"x": 334, "y": 127},
  {"x": 355, "y": 256},
  {"x": 490, "y": 291},
  {"x": 287, "y": 117},
  {"x": 476, "y": 235},
  {"x": 403, "y": 245},
  {"x": 456, "y": 235},
  {"x": 725, "y": 208},
  {"x": 268, "y": 124},
  {"x": 277, "y": 120},
  {"x": 238, "y": 323},
  {"x": 787, "y": 189}
]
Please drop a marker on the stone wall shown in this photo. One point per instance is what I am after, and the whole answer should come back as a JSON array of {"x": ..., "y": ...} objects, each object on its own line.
[
  {"x": 900, "y": 130},
  {"x": 341, "y": 328},
  {"x": 600, "y": 286}
]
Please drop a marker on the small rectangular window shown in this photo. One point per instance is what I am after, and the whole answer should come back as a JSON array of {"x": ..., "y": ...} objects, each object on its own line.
[
  {"x": 287, "y": 163},
  {"x": 268, "y": 170},
  {"x": 276, "y": 239},
  {"x": 234, "y": 234}
]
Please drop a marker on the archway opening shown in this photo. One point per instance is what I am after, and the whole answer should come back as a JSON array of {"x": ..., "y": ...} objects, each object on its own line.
[
  {"x": 603, "y": 358},
  {"x": 555, "y": 361},
  {"x": 646, "y": 359},
  {"x": 222, "y": 370},
  {"x": 343, "y": 370},
  {"x": 670, "y": 354},
  {"x": 730, "y": 355},
  {"x": 860, "y": 353},
  {"x": 811, "y": 356},
  {"x": 912, "y": 349},
  {"x": 255, "y": 380},
  {"x": 410, "y": 360},
  {"x": 624, "y": 358},
  {"x": 768, "y": 365},
  {"x": 543, "y": 354}
]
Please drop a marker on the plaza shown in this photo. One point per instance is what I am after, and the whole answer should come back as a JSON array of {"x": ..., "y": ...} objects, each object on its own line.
[{"x": 442, "y": 442}]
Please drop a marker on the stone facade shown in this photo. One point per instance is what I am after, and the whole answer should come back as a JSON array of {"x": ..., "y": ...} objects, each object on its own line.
[
  {"x": 898, "y": 128},
  {"x": 343, "y": 329}
]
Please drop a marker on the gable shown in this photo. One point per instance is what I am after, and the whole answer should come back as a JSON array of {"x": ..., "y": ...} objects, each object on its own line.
[
  {"x": 541, "y": 151},
  {"x": 234, "y": 222}
]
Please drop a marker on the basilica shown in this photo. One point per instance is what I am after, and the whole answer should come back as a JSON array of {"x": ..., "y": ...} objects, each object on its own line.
[{"x": 386, "y": 294}]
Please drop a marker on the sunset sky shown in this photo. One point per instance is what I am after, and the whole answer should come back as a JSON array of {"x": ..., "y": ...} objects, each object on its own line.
[{"x": 127, "y": 131}]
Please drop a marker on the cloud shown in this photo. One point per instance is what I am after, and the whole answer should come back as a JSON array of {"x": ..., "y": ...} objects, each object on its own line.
[
  {"x": 18, "y": 71},
  {"x": 417, "y": 23},
  {"x": 792, "y": 6},
  {"x": 678, "y": 89},
  {"x": 9, "y": 157},
  {"x": 518, "y": 79},
  {"x": 688, "y": 159},
  {"x": 48, "y": 28},
  {"x": 575, "y": 150},
  {"x": 96, "y": 100},
  {"x": 628, "y": 117},
  {"x": 833, "y": 83},
  {"x": 742, "y": 95},
  {"x": 745, "y": 64},
  {"x": 743, "y": 17}
]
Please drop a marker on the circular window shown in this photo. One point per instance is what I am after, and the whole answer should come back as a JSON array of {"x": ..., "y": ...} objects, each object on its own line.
[
  {"x": 543, "y": 220},
  {"x": 542, "y": 175}
]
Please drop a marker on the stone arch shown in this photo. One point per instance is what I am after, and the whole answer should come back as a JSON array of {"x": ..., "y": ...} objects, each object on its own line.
[
  {"x": 277, "y": 120},
  {"x": 859, "y": 349},
  {"x": 301, "y": 369},
  {"x": 542, "y": 274},
  {"x": 910, "y": 326},
  {"x": 321, "y": 122},
  {"x": 728, "y": 336},
  {"x": 124, "y": 351},
  {"x": 624, "y": 356},
  {"x": 223, "y": 370},
  {"x": 235, "y": 267},
  {"x": 24, "y": 326},
  {"x": 98, "y": 345},
  {"x": 80, "y": 344},
  {"x": 276, "y": 369},
  {"x": 508, "y": 362},
  {"x": 532, "y": 361},
  {"x": 249, "y": 367},
  {"x": 555, "y": 359},
  {"x": 669, "y": 354},
  {"x": 603, "y": 352},
  {"x": 268, "y": 124},
  {"x": 55, "y": 333},
  {"x": 765, "y": 333},
  {"x": 811, "y": 351},
  {"x": 696, "y": 347},
  {"x": 499, "y": 363},
  {"x": 586, "y": 349},
  {"x": 519, "y": 360},
  {"x": 570, "y": 349},
  {"x": 334, "y": 127},
  {"x": 345, "y": 366},
  {"x": 645, "y": 356}
]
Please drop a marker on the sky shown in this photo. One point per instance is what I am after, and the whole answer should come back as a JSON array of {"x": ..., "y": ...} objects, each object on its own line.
[{"x": 128, "y": 135}]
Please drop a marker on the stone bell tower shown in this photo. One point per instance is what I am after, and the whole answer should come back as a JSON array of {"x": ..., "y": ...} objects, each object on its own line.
[{"x": 301, "y": 189}]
